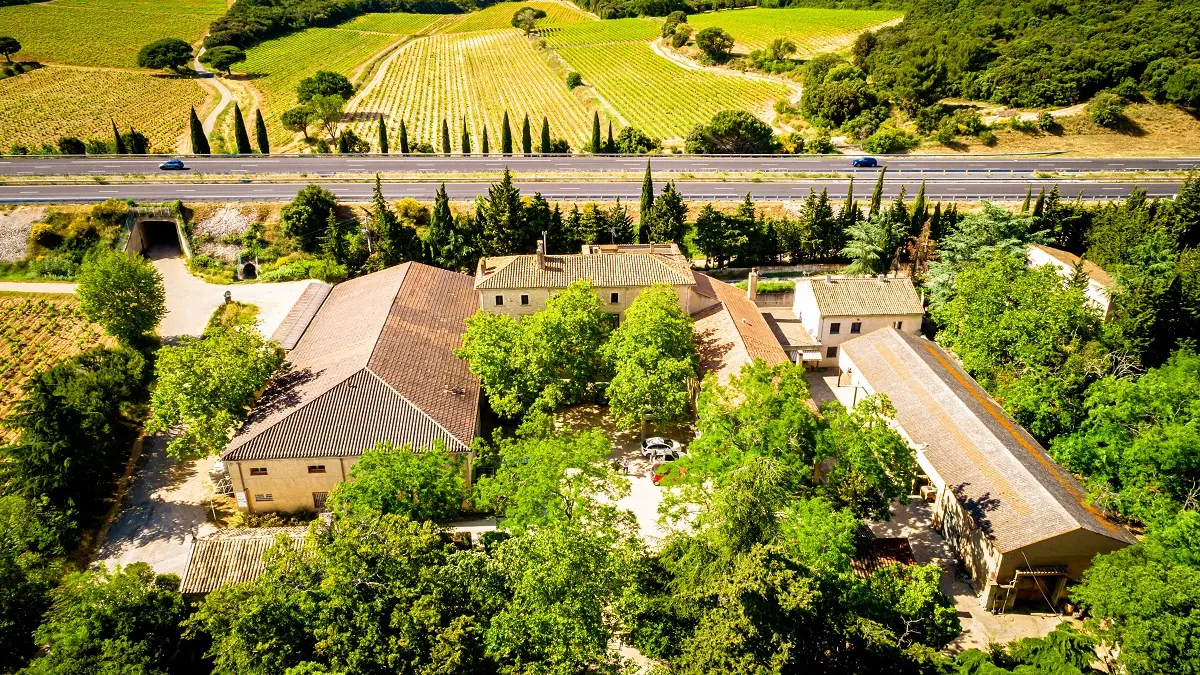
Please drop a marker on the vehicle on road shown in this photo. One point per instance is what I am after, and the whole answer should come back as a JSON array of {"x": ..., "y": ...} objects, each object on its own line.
[
  {"x": 657, "y": 445},
  {"x": 865, "y": 162},
  {"x": 172, "y": 165}
]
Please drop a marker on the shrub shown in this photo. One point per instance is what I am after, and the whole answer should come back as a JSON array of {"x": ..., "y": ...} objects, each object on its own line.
[
  {"x": 822, "y": 144},
  {"x": 987, "y": 137},
  {"x": 308, "y": 268},
  {"x": 1106, "y": 109},
  {"x": 680, "y": 37},
  {"x": 1184, "y": 87},
  {"x": 714, "y": 43},
  {"x": 1046, "y": 121},
  {"x": 54, "y": 267},
  {"x": 673, "y": 21},
  {"x": 632, "y": 141},
  {"x": 731, "y": 132},
  {"x": 574, "y": 79},
  {"x": 889, "y": 139},
  {"x": 69, "y": 145}
]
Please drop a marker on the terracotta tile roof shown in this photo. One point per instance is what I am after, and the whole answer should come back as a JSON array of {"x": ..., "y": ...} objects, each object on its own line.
[
  {"x": 882, "y": 552},
  {"x": 233, "y": 556},
  {"x": 842, "y": 296},
  {"x": 1004, "y": 478},
  {"x": 733, "y": 332},
  {"x": 1091, "y": 269},
  {"x": 375, "y": 364},
  {"x": 605, "y": 270},
  {"x": 755, "y": 333},
  {"x": 300, "y": 315}
]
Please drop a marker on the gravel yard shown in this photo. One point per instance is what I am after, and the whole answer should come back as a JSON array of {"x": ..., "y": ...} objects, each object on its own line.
[
  {"x": 14, "y": 231},
  {"x": 210, "y": 231}
]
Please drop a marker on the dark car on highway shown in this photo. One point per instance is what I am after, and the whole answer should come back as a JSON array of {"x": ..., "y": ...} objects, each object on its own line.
[
  {"x": 868, "y": 162},
  {"x": 172, "y": 165}
]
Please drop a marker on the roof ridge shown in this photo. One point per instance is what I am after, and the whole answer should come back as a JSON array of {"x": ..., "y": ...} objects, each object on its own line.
[
  {"x": 387, "y": 315},
  {"x": 416, "y": 407}
]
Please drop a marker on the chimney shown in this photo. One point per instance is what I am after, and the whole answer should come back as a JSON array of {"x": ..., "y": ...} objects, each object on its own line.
[
  {"x": 652, "y": 248},
  {"x": 881, "y": 277},
  {"x": 482, "y": 266},
  {"x": 541, "y": 254},
  {"x": 752, "y": 284},
  {"x": 829, "y": 278}
]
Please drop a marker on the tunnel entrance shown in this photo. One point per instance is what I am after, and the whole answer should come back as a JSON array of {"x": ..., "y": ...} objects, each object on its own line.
[
  {"x": 249, "y": 271},
  {"x": 155, "y": 239}
]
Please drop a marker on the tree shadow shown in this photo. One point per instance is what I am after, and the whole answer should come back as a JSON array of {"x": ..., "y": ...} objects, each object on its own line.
[
  {"x": 977, "y": 507},
  {"x": 1128, "y": 127},
  {"x": 364, "y": 116}
]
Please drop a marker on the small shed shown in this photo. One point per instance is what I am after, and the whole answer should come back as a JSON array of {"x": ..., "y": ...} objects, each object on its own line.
[{"x": 234, "y": 556}]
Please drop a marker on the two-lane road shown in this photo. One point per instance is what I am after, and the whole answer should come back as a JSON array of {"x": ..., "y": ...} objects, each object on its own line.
[
  {"x": 330, "y": 165},
  {"x": 961, "y": 189}
]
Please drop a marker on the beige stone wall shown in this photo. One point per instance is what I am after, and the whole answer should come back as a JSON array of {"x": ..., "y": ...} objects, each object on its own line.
[{"x": 537, "y": 298}]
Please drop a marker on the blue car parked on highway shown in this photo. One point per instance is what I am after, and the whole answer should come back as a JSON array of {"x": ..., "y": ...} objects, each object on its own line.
[{"x": 867, "y": 162}]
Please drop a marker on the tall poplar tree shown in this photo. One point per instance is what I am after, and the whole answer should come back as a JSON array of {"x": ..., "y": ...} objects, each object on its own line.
[
  {"x": 483, "y": 145},
  {"x": 383, "y": 139},
  {"x": 118, "y": 143},
  {"x": 241, "y": 138},
  {"x": 526, "y": 137},
  {"x": 877, "y": 195},
  {"x": 403, "y": 139},
  {"x": 445, "y": 137},
  {"x": 545, "y": 135},
  {"x": 260, "y": 133},
  {"x": 611, "y": 146},
  {"x": 595, "y": 133},
  {"x": 199, "y": 140},
  {"x": 920, "y": 211},
  {"x": 506, "y": 145},
  {"x": 645, "y": 208},
  {"x": 465, "y": 142}
]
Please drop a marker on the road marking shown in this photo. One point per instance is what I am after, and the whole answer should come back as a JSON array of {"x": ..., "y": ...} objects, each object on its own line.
[{"x": 30, "y": 192}]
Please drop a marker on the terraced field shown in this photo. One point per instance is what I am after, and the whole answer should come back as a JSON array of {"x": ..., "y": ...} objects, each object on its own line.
[
  {"x": 500, "y": 16},
  {"x": 102, "y": 32},
  {"x": 479, "y": 76},
  {"x": 397, "y": 23},
  {"x": 813, "y": 30},
  {"x": 661, "y": 97},
  {"x": 601, "y": 32},
  {"x": 42, "y": 105},
  {"x": 275, "y": 67}
]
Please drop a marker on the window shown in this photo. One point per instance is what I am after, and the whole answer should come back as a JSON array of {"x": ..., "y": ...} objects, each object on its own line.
[
  {"x": 831, "y": 353},
  {"x": 261, "y": 471},
  {"x": 268, "y": 497},
  {"x": 316, "y": 468},
  {"x": 499, "y": 300},
  {"x": 898, "y": 325},
  {"x": 856, "y": 327},
  {"x": 614, "y": 298},
  {"x": 524, "y": 299},
  {"x": 319, "y": 500},
  {"x": 835, "y": 328}
]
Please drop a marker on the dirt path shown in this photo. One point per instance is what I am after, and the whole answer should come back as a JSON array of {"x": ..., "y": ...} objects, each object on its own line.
[{"x": 210, "y": 122}]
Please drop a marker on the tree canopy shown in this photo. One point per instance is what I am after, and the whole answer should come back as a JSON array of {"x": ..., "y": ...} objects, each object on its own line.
[
  {"x": 167, "y": 54},
  {"x": 419, "y": 485},
  {"x": 123, "y": 293}
]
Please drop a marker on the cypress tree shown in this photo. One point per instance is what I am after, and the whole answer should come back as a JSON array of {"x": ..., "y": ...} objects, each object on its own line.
[
  {"x": 935, "y": 222},
  {"x": 919, "y": 212},
  {"x": 646, "y": 205},
  {"x": 260, "y": 133},
  {"x": 199, "y": 140},
  {"x": 1028, "y": 195},
  {"x": 526, "y": 137},
  {"x": 383, "y": 141},
  {"x": 331, "y": 246},
  {"x": 545, "y": 136},
  {"x": 445, "y": 137},
  {"x": 466, "y": 138},
  {"x": 483, "y": 145},
  {"x": 118, "y": 142},
  {"x": 403, "y": 139},
  {"x": 595, "y": 133},
  {"x": 877, "y": 195},
  {"x": 1040, "y": 205},
  {"x": 506, "y": 136},
  {"x": 239, "y": 132},
  {"x": 610, "y": 146}
]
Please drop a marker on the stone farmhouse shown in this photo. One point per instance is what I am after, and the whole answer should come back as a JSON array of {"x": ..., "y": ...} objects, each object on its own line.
[
  {"x": 1018, "y": 522},
  {"x": 836, "y": 309}
]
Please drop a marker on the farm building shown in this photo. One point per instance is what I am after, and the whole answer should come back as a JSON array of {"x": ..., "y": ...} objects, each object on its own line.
[
  {"x": 732, "y": 331},
  {"x": 1099, "y": 285},
  {"x": 836, "y": 309},
  {"x": 519, "y": 285},
  {"x": 233, "y": 556},
  {"x": 375, "y": 363},
  {"x": 1017, "y": 521}
]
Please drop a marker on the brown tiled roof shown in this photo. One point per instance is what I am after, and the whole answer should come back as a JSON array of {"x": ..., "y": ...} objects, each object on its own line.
[
  {"x": 882, "y": 552},
  {"x": 300, "y": 315},
  {"x": 1091, "y": 269},
  {"x": 606, "y": 270},
  {"x": 756, "y": 335},
  {"x": 233, "y": 556},
  {"x": 841, "y": 296},
  {"x": 1016, "y": 494},
  {"x": 375, "y": 364},
  {"x": 788, "y": 329}
]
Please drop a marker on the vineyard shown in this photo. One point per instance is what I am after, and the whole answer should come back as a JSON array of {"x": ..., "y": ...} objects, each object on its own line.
[
  {"x": 500, "y": 16},
  {"x": 44, "y": 104},
  {"x": 478, "y": 76},
  {"x": 397, "y": 24},
  {"x": 813, "y": 30},
  {"x": 661, "y": 97},
  {"x": 601, "y": 32},
  {"x": 35, "y": 333},
  {"x": 108, "y": 33},
  {"x": 277, "y": 66}
]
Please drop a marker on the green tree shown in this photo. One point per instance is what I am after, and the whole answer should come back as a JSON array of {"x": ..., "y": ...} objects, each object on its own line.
[
  {"x": 871, "y": 245},
  {"x": 239, "y": 132},
  {"x": 260, "y": 133},
  {"x": 423, "y": 485},
  {"x": 126, "y": 620},
  {"x": 166, "y": 54},
  {"x": 206, "y": 387},
  {"x": 545, "y": 147},
  {"x": 872, "y": 465},
  {"x": 610, "y": 146},
  {"x": 122, "y": 293},
  {"x": 631, "y": 141},
  {"x": 29, "y": 568},
  {"x": 731, "y": 132},
  {"x": 328, "y": 110},
  {"x": 297, "y": 119},
  {"x": 500, "y": 217},
  {"x": 1183, "y": 87},
  {"x": 403, "y": 139},
  {"x": 653, "y": 356},
  {"x": 714, "y": 235},
  {"x": 449, "y": 241},
  {"x": 877, "y": 194},
  {"x": 382, "y": 142},
  {"x": 979, "y": 237},
  {"x": 1107, "y": 109},
  {"x": 646, "y": 206},
  {"x": 324, "y": 83},
  {"x": 526, "y": 18},
  {"x": 595, "y": 148},
  {"x": 506, "y": 145},
  {"x": 465, "y": 141},
  {"x": 668, "y": 218},
  {"x": 333, "y": 246},
  {"x": 446, "y": 147},
  {"x": 526, "y": 137},
  {"x": 305, "y": 217},
  {"x": 8, "y": 47},
  {"x": 223, "y": 58},
  {"x": 483, "y": 144},
  {"x": 714, "y": 43},
  {"x": 398, "y": 241},
  {"x": 118, "y": 142}
]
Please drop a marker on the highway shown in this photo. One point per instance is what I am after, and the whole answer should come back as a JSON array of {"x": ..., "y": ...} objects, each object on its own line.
[
  {"x": 959, "y": 189},
  {"x": 328, "y": 165}
]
